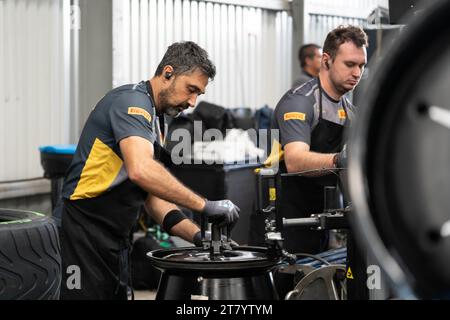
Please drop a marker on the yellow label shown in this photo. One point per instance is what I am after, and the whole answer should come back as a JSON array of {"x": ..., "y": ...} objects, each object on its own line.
[
  {"x": 342, "y": 114},
  {"x": 140, "y": 112},
  {"x": 294, "y": 116},
  {"x": 349, "y": 273},
  {"x": 272, "y": 194}
]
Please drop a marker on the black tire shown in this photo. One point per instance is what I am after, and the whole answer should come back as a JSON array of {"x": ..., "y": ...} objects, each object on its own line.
[{"x": 30, "y": 261}]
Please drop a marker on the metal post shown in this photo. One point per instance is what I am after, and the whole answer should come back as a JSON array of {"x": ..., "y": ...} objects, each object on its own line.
[{"x": 75, "y": 26}]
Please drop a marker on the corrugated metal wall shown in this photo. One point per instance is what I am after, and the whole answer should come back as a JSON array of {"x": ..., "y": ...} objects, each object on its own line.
[
  {"x": 321, "y": 16},
  {"x": 319, "y": 25},
  {"x": 251, "y": 47},
  {"x": 38, "y": 203},
  {"x": 33, "y": 83}
]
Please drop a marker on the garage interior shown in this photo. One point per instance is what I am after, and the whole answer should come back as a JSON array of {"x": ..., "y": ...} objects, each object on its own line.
[{"x": 384, "y": 218}]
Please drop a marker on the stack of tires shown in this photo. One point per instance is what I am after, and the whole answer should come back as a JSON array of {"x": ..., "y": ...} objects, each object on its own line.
[{"x": 30, "y": 261}]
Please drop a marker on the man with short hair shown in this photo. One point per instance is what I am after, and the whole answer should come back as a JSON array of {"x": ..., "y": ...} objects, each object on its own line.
[
  {"x": 311, "y": 121},
  {"x": 114, "y": 173},
  {"x": 309, "y": 56}
]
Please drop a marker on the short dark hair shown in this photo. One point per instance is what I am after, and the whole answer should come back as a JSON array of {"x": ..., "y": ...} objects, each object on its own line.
[
  {"x": 307, "y": 51},
  {"x": 341, "y": 35},
  {"x": 185, "y": 57}
]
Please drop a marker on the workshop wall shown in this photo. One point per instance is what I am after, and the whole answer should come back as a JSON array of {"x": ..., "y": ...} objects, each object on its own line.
[
  {"x": 251, "y": 47},
  {"x": 34, "y": 91},
  {"x": 39, "y": 203},
  {"x": 321, "y": 16}
]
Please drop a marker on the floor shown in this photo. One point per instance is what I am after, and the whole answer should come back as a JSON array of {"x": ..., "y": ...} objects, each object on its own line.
[{"x": 144, "y": 294}]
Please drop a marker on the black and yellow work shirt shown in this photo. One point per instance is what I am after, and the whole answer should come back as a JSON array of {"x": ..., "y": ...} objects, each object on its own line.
[
  {"x": 98, "y": 166},
  {"x": 298, "y": 112},
  {"x": 97, "y": 179}
]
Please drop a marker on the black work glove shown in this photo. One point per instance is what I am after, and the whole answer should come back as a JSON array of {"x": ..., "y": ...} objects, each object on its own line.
[
  {"x": 222, "y": 212},
  {"x": 340, "y": 159},
  {"x": 198, "y": 239}
]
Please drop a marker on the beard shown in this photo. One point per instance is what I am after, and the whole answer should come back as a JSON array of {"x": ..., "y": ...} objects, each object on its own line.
[{"x": 168, "y": 107}]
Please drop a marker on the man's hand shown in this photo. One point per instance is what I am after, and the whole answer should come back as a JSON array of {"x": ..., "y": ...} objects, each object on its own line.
[
  {"x": 340, "y": 159},
  {"x": 222, "y": 212},
  {"x": 198, "y": 239}
]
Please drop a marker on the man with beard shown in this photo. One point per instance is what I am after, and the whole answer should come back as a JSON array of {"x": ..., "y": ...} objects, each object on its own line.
[
  {"x": 311, "y": 121},
  {"x": 114, "y": 173}
]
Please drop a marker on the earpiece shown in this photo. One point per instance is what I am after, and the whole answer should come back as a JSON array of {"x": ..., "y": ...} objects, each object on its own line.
[
  {"x": 327, "y": 65},
  {"x": 167, "y": 75}
]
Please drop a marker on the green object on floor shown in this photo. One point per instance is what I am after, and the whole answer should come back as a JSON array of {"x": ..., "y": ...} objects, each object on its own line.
[{"x": 162, "y": 237}]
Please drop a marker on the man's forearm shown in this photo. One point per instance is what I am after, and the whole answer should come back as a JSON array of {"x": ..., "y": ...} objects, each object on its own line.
[
  {"x": 158, "y": 209},
  {"x": 159, "y": 182},
  {"x": 151, "y": 176},
  {"x": 185, "y": 229},
  {"x": 308, "y": 160}
]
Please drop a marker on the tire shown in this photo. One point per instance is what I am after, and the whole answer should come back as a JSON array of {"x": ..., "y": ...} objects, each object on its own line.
[
  {"x": 30, "y": 261},
  {"x": 399, "y": 156}
]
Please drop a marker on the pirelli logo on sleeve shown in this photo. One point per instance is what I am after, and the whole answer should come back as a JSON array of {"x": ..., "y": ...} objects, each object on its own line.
[
  {"x": 294, "y": 116},
  {"x": 342, "y": 114},
  {"x": 140, "y": 112}
]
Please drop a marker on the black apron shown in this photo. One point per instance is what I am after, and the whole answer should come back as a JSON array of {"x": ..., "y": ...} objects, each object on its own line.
[
  {"x": 96, "y": 237},
  {"x": 302, "y": 196}
]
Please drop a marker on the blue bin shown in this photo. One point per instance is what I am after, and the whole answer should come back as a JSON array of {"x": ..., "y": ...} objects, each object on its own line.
[{"x": 55, "y": 160}]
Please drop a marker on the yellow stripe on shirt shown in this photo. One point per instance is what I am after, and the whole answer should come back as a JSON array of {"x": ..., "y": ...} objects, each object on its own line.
[{"x": 100, "y": 170}]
